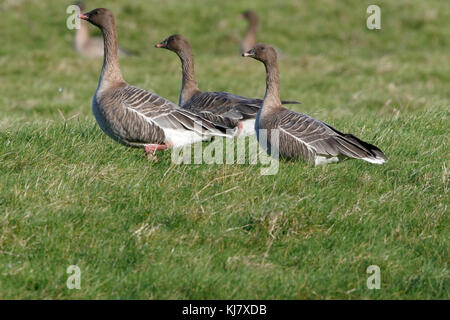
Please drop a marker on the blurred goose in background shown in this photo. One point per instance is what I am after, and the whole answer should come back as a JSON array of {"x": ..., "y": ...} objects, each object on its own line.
[
  {"x": 91, "y": 47},
  {"x": 135, "y": 117},
  {"x": 249, "y": 40},
  {"x": 301, "y": 136},
  {"x": 221, "y": 108}
]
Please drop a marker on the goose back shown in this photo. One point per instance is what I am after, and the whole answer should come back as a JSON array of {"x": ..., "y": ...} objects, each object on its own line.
[{"x": 301, "y": 136}]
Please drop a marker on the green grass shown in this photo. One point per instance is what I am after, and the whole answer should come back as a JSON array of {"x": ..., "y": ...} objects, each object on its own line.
[{"x": 69, "y": 195}]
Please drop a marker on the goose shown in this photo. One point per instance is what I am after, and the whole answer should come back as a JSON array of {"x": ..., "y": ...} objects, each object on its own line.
[
  {"x": 299, "y": 135},
  {"x": 91, "y": 47},
  {"x": 249, "y": 40},
  {"x": 222, "y": 108},
  {"x": 136, "y": 117}
]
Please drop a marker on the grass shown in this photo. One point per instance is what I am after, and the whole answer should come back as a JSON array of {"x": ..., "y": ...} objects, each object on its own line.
[{"x": 69, "y": 195}]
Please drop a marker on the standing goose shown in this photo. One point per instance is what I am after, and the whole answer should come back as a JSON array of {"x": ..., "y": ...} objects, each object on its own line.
[
  {"x": 221, "y": 108},
  {"x": 135, "y": 117},
  {"x": 90, "y": 47},
  {"x": 249, "y": 40},
  {"x": 301, "y": 136}
]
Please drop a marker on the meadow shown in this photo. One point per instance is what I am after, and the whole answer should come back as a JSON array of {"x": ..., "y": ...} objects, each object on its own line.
[{"x": 69, "y": 195}]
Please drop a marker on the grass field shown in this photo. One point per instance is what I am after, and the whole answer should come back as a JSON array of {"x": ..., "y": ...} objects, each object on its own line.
[{"x": 69, "y": 195}]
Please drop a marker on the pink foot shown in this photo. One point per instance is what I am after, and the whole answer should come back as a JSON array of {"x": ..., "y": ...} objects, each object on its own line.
[{"x": 150, "y": 149}]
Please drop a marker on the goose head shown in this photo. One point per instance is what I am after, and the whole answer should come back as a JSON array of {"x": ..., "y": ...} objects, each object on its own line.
[
  {"x": 80, "y": 5},
  {"x": 99, "y": 17},
  {"x": 175, "y": 43},
  {"x": 262, "y": 52},
  {"x": 249, "y": 15}
]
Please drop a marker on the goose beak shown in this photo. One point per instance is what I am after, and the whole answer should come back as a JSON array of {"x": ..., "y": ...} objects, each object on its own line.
[
  {"x": 250, "y": 53},
  {"x": 84, "y": 16},
  {"x": 159, "y": 45}
]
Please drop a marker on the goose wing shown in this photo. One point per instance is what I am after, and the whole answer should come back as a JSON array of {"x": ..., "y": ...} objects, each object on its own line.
[
  {"x": 302, "y": 135},
  {"x": 222, "y": 103},
  {"x": 227, "y": 105},
  {"x": 162, "y": 113},
  {"x": 223, "y": 121}
]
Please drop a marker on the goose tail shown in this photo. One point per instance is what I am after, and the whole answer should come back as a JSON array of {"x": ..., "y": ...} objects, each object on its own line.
[
  {"x": 371, "y": 153},
  {"x": 290, "y": 102}
]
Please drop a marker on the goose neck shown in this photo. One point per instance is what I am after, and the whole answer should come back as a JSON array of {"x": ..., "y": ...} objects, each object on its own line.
[
  {"x": 111, "y": 73},
  {"x": 252, "y": 29},
  {"x": 189, "y": 84},
  {"x": 272, "y": 96}
]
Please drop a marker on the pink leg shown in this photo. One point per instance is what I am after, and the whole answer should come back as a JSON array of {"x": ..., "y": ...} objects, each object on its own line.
[
  {"x": 154, "y": 147},
  {"x": 150, "y": 149},
  {"x": 240, "y": 128}
]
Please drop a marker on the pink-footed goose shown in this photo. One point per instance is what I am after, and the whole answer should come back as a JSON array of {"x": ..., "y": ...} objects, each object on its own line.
[
  {"x": 135, "y": 117},
  {"x": 221, "y": 108},
  {"x": 301, "y": 136},
  {"x": 88, "y": 46},
  {"x": 249, "y": 40}
]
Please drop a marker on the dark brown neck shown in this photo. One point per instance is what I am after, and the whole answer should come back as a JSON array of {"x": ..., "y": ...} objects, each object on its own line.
[
  {"x": 111, "y": 74},
  {"x": 189, "y": 86},
  {"x": 272, "y": 96}
]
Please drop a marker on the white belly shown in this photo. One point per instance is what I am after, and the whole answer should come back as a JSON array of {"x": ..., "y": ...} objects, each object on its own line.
[
  {"x": 248, "y": 128},
  {"x": 181, "y": 138},
  {"x": 321, "y": 160}
]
